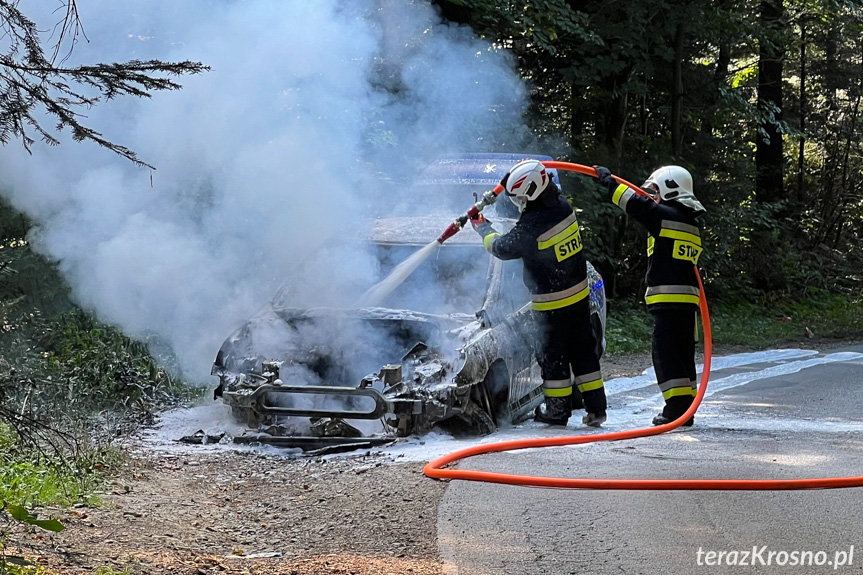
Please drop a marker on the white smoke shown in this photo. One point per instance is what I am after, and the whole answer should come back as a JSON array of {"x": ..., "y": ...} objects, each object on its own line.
[{"x": 314, "y": 116}]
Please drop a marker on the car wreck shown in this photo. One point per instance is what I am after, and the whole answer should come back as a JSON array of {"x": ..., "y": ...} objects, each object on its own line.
[{"x": 461, "y": 359}]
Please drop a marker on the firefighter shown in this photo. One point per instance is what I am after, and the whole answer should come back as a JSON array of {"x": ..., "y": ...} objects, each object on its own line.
[
  {"x": 547, "y": 239},
  {"x": 672, "y": 296}
]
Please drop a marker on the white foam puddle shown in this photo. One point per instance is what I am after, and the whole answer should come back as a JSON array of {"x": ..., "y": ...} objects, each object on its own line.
[
  {"x": 738, "y": 379},
  {"x": 648, "y": 378},
  {"x": 629, "y": 414},
  {"x": 214, "y": 417}
]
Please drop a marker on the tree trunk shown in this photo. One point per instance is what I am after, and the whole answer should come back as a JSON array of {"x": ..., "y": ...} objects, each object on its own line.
[
  {"x": 765, "y": 266},
  {"x": 768, "y": 151},
  {"x": 801, "y": 155},
  {"x": 677, "y": 93},
  {"x": 831, "y": 65},
  {"x": 576, "y": 117},
  {"x": 614, "y": 122},
  {"x": 720, "y": 73},
  {"x": 642, "y": 115}
]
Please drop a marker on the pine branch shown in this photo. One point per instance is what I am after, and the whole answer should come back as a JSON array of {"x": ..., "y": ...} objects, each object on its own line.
[{"x": 30, "y": 82}]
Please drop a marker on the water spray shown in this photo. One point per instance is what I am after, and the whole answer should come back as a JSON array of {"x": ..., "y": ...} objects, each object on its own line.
[{"x": 380, "y": 290}]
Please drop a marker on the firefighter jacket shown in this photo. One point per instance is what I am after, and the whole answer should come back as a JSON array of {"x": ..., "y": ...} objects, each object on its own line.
[
  {"x": 547, "y": 239},
  {"x": 673, "y": 248}
]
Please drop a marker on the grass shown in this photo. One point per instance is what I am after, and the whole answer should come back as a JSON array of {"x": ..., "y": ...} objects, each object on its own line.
[
  {"x": 747, "y": 324},
  {"x": 29, "y": 478},
  {"x": 41, "y": 570}
]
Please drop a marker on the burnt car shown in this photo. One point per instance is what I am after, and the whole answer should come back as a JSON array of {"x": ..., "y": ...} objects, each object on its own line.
[{"x": 453, "y": 348}]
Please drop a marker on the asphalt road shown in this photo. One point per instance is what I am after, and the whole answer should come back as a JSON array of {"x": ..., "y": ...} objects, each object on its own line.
[{"x": 793, "y": 417}]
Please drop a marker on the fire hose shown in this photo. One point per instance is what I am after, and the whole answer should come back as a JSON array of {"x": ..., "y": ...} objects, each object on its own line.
[{"x": 437, "y": 469}]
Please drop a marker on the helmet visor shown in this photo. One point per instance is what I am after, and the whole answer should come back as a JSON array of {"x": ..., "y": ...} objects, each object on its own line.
[
  {"x": 651, "y": 188},
  {"x": 519, "y": 201}
]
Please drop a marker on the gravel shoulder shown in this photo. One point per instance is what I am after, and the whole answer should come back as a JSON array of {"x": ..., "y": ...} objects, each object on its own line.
[
  {"x": 237, "y": 512},
  {"x": 232, "y": 512}
]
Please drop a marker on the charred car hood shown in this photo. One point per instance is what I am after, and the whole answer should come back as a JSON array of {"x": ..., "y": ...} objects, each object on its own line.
[{"x": 338, "y": 347}]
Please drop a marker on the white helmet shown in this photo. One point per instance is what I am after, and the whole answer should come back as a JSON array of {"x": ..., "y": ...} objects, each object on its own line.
[
  {"x": 525, "y": 182},
  {"x": 674, "y": 184}
]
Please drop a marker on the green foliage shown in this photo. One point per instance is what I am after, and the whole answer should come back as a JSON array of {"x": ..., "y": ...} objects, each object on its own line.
[
  {"x": 70, "y": 367},
  {"x": 604, "y": 84},
  {"x": 107, "y": 570},
  {"x": 31, "y": 476},
  {"x": 58, "y": 365},
  {"x": 824, "y": 315},
  {"x": 23, "y": 515},
  {"x": 104, "y": 366},
  {"x": 629, "y": 329}
]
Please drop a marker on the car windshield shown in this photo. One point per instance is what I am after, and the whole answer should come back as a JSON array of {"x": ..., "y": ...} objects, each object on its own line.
[
  {"x": 453, "y": 279},
  {"x": 454, "y": 200}
]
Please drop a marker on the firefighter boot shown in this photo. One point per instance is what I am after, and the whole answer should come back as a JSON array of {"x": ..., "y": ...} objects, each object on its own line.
[
  {"x": 595, "y": 405},
  {"x": 674, "y": 408},
  {"x": 594, "y": 419},
  {"x": 555, "y": 411}
]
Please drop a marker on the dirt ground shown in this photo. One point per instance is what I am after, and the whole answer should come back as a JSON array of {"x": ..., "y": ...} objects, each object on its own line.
[{"x": 232, "y": 513}]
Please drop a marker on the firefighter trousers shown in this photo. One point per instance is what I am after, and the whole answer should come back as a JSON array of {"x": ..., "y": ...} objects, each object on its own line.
[
  {"x": 567, "y": 349},
  {"x": 673, "y": 353}
]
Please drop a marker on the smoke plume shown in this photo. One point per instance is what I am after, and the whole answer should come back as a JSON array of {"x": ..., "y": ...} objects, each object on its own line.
[{"x": 315, "y": 116}]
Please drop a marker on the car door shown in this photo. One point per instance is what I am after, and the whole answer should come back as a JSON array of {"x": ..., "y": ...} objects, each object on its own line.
[{"x": 507, "y": 310}]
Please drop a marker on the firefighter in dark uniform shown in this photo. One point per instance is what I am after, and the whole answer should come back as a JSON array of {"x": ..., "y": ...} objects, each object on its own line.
[
  {"x": 547, "y": 239},
  {"x": 672, "y": 296}
]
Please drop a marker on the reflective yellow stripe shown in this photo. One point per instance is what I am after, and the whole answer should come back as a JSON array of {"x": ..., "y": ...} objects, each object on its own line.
[
  {"x": 618, "y": 192},
  {"x": 557, "y": 228},
  {"x": 678, "y": 391},
  {"x": 568, "y": 231},
  {"x": 545, "y": 306},
  {"x": 671, "y": 289},
  {"x": 672, "y": 298},
  {"x": 558, "y": 295},
  {"x": 556, "y": 383},
  {"x": 590, "y": 385},
  {"x": 588, "y": 377},
  {"x": 679, "y": 226},
  {"x": 677, "y": 235},
  {"x": 559, "y": 392},
  {"x": 487, "y": 240},
  {"x": 650, "y": 241},
  {"x": 673, "y": 383}
]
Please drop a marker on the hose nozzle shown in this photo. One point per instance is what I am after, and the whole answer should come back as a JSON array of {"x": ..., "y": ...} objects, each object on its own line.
[
  {"x": 488, "y": 198},
  {"x": 450, "y": 231}
]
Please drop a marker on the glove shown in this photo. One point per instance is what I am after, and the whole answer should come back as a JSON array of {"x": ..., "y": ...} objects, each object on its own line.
[
  {"x": 479, "y": 221},
  {"x": 604, "y": 175}
]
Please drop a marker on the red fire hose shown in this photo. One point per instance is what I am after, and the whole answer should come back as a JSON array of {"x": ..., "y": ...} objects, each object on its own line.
[{"x": 437, "y": 468}]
